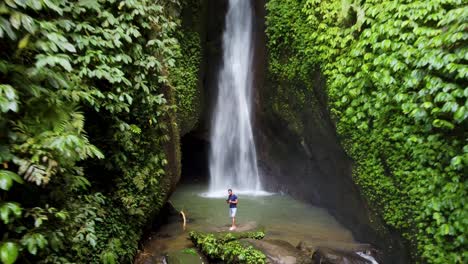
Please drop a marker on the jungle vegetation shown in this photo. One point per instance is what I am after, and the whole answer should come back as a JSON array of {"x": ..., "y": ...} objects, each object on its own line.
[{"x": 85, "y": 101}]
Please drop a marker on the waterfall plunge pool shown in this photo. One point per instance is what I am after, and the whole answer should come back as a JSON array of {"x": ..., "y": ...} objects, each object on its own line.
[{"x": 279, "y": 215}]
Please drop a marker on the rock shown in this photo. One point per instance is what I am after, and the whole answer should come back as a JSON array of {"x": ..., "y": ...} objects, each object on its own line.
[
  {"x": 242, "y": 227},
  {"x": 185, "y": 256},
  {"x": 377, "y": 255},
  {"x": 279, "y": 251},
  {"x": 309, "y": 248},
  {"x": 334, "y": 256},
  {"x": 155, "y": 260}
]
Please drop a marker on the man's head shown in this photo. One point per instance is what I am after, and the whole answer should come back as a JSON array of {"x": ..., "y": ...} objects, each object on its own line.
[{"x": 230, "y": 191}]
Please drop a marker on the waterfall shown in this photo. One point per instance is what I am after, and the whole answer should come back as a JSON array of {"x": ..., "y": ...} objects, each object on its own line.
[{"x": 233, "y": 159}]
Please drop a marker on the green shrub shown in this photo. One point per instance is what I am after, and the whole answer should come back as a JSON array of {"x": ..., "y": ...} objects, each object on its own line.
[{"x": 227, "y": 248}]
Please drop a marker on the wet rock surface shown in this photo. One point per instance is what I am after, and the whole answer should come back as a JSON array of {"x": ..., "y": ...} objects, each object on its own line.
[
  {"x": 334, "y": 256},
  {"x": 279, "y": 251},
  {"x": 152, "y": 260},
  {"x": 340, "y": 252},
  {"x": 308, "y": 246}
]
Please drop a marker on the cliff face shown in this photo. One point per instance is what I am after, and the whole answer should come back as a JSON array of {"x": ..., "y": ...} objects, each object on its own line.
[{"x": 299, "y": 153}]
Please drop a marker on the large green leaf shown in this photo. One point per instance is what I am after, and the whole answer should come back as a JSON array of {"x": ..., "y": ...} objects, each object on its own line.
[
  {"x": 108, "y": 258},
  {"x": 8, "y": 252},
  {"x": 8, "y": 211},
  {"x": 7, "y": 178},
  {"x": 8, "y": 98}
]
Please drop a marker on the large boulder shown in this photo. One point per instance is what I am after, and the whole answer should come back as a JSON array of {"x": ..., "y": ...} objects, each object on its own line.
[
  {"x": 334, "y": 256},
  {"x": 329, "y": 251}
]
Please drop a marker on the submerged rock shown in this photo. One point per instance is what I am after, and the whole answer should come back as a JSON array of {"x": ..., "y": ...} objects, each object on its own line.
[
  {"x": 279, "y": 251},
  {"x": 242, "y": 227},
  {"x": 185, "y": 256},
  {"x": 151, "y": 260}
]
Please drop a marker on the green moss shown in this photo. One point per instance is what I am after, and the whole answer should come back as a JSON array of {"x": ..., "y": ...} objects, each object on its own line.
[
  {"x": 185, "y": 75},
  {"x": 185, "y": 79},
  {"x": 185, "y": 256}
]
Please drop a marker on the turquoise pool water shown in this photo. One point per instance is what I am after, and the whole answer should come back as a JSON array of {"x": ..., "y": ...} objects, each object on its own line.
[{"x": 281, "y": 216}]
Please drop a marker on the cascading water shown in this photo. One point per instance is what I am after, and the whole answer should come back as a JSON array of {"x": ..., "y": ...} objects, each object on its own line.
[{"x": 233, "y": 161}]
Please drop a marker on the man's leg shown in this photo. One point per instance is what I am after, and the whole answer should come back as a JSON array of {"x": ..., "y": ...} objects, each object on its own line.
[
  {"x": 233, "y": 216},
  {"x": 230, "y": 215},
  {"x": 234, "y": 211}
]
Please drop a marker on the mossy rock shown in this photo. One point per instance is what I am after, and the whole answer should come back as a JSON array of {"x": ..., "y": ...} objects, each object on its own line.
[{"x": 226, "y": 247}]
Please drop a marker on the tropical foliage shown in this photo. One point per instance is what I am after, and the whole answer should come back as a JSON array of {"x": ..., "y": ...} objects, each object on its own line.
[
  {"x": 84, "y": 126},
  {"x": 396, "y": 75}
]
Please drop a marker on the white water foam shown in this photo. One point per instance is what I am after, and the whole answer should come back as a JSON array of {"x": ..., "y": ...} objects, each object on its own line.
[
  {"x": 223, "y": 193},
  {"x": 233, "y": 158},
  {"x": 368, "y": 257}
]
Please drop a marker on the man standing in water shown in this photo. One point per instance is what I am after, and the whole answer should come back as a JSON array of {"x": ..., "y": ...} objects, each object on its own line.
[{"x": 232, "y": 201}]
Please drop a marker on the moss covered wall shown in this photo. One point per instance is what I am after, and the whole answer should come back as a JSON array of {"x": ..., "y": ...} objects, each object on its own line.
[
  {"x": 299, "y": 153},
  {"x": 299, "y": 150},
  {"x": 395, "y": 75},
  {"x": 186, "y": 76}
]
